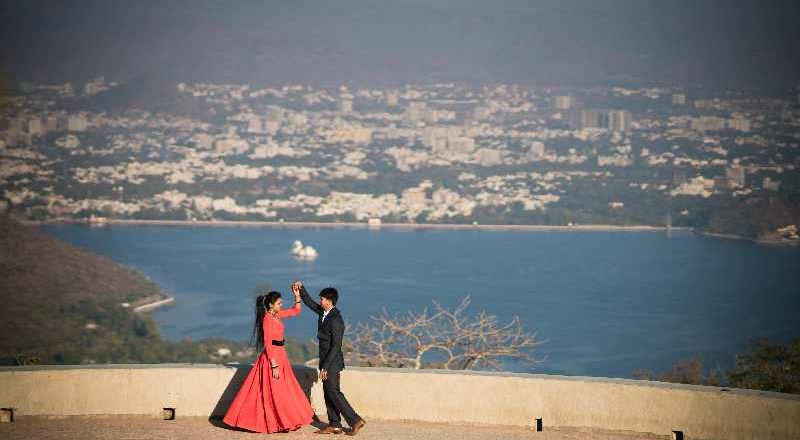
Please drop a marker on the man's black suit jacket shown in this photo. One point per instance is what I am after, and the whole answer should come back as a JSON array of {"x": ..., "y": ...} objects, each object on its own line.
[{"x": 329, "y": 333}]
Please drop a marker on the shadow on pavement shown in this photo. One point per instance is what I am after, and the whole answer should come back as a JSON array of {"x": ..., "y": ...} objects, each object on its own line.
[{"x": 306, "y": 377}]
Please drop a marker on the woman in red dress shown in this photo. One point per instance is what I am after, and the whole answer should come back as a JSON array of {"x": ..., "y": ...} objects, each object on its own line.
[{"x": 270, "y": 399}]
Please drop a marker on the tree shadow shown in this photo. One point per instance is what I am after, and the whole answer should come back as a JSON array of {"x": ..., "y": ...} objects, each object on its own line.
[{"x": 306, "y": 377}]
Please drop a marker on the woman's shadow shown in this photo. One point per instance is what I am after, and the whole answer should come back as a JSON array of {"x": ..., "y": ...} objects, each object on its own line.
[{"x": 306, "y": 376}]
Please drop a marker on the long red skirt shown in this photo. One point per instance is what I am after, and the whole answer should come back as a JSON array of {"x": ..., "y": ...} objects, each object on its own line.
[{"x": 265, "y": 404}]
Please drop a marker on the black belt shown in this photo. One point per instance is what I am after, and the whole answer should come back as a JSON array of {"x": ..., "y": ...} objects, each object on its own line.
[{"x": 278, "y": 343}]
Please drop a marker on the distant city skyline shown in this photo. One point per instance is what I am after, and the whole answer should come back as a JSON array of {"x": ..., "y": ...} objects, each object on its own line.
[
  {"x": 742, "y": 44},
  {"x": 438, "y": 153}
]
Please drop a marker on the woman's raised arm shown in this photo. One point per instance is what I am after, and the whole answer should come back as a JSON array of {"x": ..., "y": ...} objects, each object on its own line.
[{"x": 293, "y": 311}]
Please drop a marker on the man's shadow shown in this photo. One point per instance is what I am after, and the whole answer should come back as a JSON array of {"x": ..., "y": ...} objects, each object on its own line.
[{"x": 306, "y": 377}]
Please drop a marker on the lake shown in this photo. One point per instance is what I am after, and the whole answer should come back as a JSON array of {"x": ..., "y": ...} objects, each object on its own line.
[{"x": 606, "y": 302}]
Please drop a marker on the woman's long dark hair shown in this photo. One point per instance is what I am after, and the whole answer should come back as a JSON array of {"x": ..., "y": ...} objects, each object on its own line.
[{"x": 263, "y": 302}]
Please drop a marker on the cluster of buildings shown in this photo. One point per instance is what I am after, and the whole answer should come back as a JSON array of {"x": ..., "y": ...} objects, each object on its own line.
[
  {"x": 611, "y": 120},
  {"x": 21, "y": 131},
  {"x": 433, "y": 153}
]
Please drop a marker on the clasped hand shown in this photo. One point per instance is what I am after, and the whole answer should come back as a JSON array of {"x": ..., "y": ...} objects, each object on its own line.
[{"x": 296, "y": 286}]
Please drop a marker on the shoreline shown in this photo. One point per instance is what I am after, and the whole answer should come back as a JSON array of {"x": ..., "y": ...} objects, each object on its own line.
[
  {"x": 779, "y": 243},
  {"x": 406, "y": 226},
  {"x": 148, "y": 307},
  {"x": 361, "y": 225}
]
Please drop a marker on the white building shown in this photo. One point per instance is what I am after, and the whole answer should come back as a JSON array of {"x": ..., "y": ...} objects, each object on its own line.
[
  {"x": 461, "y": 144},
  {"x": 298, "y": 119},
  {"x": 416, "y": 111},
  {"x": 740, "y": 124},
  {"x": 415, "y": 197},
  {"x": 231, "y": 146},
  {"x": 345, "y": 104},
  {"x": 705, "y": 104},
  {"x": 562, "y": 102},
  {"x": 489, "y": 156},
  {"x": 615, "y": 160},
  {"x": 35, "y": 126},
  {"x": 708, "y": 123},
  {"x": 392, "y": 99},
  {"x": 255, "y": 125},
  {"x": 431, "y": 134},
  {"x": 77, "y": 123},
  {"x": 537, "y": 149}
]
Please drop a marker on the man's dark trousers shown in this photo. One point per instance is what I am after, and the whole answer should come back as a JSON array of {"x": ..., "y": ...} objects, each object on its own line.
[{"x": 335, "y": 402}]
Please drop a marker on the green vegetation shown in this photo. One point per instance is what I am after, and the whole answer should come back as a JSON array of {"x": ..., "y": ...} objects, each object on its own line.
[
  {"x": 105, "y": 332},
  {"x": 65, "y": 305},
  {"x": 756, "y": 218},
  {"x": 767, "y": 366}
]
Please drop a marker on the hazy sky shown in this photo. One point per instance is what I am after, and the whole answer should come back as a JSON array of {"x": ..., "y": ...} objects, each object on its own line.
[{"x": 559, "y": 42}]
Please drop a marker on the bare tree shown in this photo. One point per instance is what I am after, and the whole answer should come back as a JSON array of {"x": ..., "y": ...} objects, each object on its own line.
[{"x": 440, "y": 338}]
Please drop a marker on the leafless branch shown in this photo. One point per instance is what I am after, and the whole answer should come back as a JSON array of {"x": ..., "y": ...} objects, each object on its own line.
[{"x": 440, "y": 338}]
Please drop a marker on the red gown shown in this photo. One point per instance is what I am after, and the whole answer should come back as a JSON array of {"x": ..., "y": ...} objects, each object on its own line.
[{"x": 264, "y": 404}]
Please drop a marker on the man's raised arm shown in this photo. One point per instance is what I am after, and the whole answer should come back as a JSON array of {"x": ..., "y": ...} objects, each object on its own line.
[{"x": 309, "y": 302}]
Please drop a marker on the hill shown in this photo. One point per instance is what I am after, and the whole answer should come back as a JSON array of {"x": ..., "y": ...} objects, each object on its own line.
[
  {"x": 145, "y": 93},
  {"x": 63, "y": 305},
  {"x": 756, "y": 218},
  {"x": 42, "y": 277}
]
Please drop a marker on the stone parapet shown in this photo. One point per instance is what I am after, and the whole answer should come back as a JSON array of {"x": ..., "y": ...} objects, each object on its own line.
[{"x": 426, "y": 395}]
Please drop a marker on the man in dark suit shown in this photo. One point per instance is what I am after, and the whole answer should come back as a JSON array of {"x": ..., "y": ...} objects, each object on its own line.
[{"x": 330, "y": 332}]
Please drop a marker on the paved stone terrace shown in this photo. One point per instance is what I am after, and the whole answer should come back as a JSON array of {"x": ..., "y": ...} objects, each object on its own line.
[{"x": 200, "y": 428}]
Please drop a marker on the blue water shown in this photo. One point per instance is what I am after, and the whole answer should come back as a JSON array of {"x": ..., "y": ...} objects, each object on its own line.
[{"x": 606, "y": 302}]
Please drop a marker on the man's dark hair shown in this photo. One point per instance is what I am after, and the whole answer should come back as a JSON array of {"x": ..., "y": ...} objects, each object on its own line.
[{"x": 330, "y": 293}]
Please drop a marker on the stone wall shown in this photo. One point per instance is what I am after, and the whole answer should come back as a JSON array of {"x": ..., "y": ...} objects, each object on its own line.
[{"x": 425, "y": 395}]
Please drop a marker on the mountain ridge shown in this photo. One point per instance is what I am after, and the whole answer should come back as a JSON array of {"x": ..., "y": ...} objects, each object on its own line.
[{"x": 41, "y": 277}]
